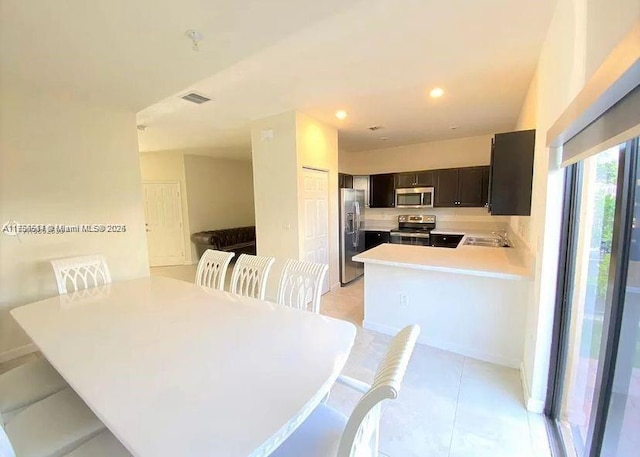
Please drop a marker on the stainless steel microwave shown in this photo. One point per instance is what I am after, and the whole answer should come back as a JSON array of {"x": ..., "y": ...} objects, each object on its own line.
[{"x": 414, "y": 197}]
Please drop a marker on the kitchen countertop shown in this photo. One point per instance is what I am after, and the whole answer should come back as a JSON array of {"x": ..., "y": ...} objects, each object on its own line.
[{"x": 503, "y": 263}]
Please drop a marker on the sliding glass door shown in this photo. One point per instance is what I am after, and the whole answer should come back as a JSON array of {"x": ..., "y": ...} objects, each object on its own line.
[
  {"x": 595, "y": 383},
  {"x": 592, "y": 254},
  {"x": 622, "y": 425}
]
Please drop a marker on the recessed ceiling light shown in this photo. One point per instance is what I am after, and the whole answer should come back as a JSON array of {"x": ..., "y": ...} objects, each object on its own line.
[
  {"x": 341, "y": 114},
  {"x": 384, "y": 138},
  {"x": 454, "y": 127},
  {"x": 436, "y": 92}
]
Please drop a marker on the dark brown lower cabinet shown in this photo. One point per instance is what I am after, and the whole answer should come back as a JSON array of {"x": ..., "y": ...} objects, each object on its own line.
[{"x": 373, "y": 238}]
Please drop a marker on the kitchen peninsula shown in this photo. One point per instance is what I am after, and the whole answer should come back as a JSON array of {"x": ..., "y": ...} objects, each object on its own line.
[{"x": 471, "y": 300}]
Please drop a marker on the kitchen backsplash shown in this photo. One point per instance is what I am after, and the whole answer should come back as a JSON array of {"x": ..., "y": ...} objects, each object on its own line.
[{"x": 446, "y": 218}]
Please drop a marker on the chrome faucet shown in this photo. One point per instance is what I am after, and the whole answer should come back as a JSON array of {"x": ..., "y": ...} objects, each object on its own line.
[{"x": 502, "y": 235}]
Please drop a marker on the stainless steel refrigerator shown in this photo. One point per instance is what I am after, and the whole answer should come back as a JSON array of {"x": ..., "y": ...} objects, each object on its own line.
[{"x": 351, "y": 233}]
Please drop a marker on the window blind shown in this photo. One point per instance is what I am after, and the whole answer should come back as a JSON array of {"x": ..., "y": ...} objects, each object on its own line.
[{"x": 618, "y": 124}]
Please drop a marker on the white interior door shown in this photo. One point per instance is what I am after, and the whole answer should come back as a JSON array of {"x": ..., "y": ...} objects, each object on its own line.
[
  {"x": 163, "y": 217},
  {"x": 316, "y": 219}
]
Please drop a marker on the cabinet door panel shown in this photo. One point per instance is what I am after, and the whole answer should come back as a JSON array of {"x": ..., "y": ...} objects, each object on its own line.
[
  {"x": 373, "y": 238},
  {"x": 362, "y": 183},
  {"x": 471, "y": 187},
  {"x": 405, "y": 179},
  {"x": 512, "y": 173},
  {"x": 426, "y": 178},
  {"x": 486, "y": 174},
  {"x": 446, "y": 188},
  {"x": 345, "y": 181},
  {"x": 382, "y": 191}
]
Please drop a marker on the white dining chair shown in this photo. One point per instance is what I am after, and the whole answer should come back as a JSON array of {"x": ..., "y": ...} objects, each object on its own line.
[
  {"x": 26, "y": 384},
  {"x": 52, "y": 427},
  {"x": 328, "y": 433},
  {"x": 301, "y": 285},
  {"x": 76, "y": 273},
  {"x": 212, "y": 268},
  {"x": 250, "y": 274}
]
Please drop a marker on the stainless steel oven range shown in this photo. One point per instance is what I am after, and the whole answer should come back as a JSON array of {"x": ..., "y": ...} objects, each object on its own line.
[{"x": 413, "y": 229}]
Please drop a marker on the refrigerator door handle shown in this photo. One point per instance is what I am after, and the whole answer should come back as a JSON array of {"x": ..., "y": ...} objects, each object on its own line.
[{"x": 356, "y": 229}]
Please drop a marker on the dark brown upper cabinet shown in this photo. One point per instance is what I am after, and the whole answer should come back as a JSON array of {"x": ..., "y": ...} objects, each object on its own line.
[
  {"x": 425, "y": 178},
  {"x": 473, "y": 186},
  {"x": 511, "y": 173},
  {"x": 462, "y": 187},
  {"x": 382, "y": 191},
  {"x": 345, "y": 181},
  {"x": 446, "y": 188}
]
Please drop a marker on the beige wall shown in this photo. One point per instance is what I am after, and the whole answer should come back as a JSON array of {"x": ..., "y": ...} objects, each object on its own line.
[
  {"x": 275, "y": 183},
  {"x": 64, "y": 162},
  {"x": 462, "y": 152},
  {"x": 216, "y": 193},
  {"x": 219, "y": 193},
  {"x": 168, "y": 166},
  {"x": 581, "y": 35},
  {"x": 298, "y": 141},
  {"x": 527, "y": 120}
]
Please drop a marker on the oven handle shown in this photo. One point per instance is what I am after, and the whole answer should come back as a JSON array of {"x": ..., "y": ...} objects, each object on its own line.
[{"x": 411, "y": 235}]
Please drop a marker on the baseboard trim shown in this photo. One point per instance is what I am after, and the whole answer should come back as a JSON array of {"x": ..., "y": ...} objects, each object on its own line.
[
  {"x": 17, "y": 352},
  {"x": 447, "y": 346},
  {"x": 334, "y": 287},
  {"x": 533, "y": 405}
]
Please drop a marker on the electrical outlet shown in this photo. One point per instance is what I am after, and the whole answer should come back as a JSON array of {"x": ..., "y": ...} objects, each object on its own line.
[{"x": 404, "y": 301}]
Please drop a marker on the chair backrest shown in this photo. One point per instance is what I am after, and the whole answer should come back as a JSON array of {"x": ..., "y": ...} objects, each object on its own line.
[
  {"x": 301, "y": 285},
  {"x": 75, "y": 273},
  {"x": 6, "y": 450},
  {"x": 360, "y": 437},
  {"x": 212, "y": 268},
  {"x": 249, "y": 277}
]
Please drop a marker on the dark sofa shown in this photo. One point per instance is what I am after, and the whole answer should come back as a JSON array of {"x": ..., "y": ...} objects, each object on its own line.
[{"x": 241, "y": 240}]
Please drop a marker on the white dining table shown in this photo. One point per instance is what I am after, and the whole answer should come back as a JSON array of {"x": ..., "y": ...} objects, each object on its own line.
[{"x": 175, "y": 369}]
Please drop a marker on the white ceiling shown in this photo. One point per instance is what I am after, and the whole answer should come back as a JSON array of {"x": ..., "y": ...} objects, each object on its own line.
[
  {"x": 133, "y": 53},
  {"x": 375, "y": 58}
]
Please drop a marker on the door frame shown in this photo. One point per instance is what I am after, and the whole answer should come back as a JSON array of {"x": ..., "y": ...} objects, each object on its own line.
[{"x": 182, "y": 221}]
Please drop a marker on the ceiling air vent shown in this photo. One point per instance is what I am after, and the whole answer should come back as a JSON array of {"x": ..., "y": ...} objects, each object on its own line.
[{"x": 195, "y": 98}]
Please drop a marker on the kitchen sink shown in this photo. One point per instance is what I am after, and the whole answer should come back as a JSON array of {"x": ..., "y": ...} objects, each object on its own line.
[{"x": 487, "y": 242}]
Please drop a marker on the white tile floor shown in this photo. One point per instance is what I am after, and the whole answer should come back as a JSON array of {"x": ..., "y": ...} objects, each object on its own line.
[{"x": 449, "y": 405}]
